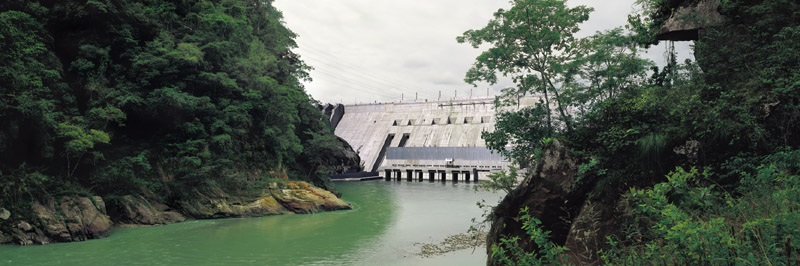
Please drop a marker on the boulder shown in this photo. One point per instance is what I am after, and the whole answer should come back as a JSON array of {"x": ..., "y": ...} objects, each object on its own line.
[
  {"x": 687, "y": 20},
  {"x": 550, "y": 194},
  {"x": 26, "y": 234},
  {"x": 24, "y": 226},
  {"x": 130, "y": 209},
  {"x": 71, "y": 218}
]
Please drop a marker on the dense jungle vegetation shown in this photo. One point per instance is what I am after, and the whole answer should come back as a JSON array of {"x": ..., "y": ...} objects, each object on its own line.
[
  {"x": 161, "y": 97},
  {"x": 701, "y": 157}
]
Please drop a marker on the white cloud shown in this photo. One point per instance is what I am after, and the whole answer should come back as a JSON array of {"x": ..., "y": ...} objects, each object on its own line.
[{"x": 368, "y": 50}]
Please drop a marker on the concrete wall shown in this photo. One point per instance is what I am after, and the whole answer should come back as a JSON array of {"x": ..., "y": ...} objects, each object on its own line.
[
  {"x": 336, "y": 115},
  {"x": 366, "y": 127}
]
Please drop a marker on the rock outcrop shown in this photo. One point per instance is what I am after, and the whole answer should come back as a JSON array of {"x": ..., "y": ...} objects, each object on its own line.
[
  {"x": 688, "y": 19},
  {"x": 554, "y": 195},
  {"x": 348, "y": 160},
  {"x": 280, "y": 198},
  {"x": 130, "y": 209},
  {"x": 69, "y": 219},
  {"x": 332, "y": 113},
  {"x": 546, "y": 193},
  {"x": 63, "y": 220},
  {"x": 587, "y": 234}
]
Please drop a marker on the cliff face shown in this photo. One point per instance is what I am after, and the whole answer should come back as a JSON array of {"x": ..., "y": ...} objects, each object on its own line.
[
  {"x": 546, "y": 193},
  {"x": 686, "y": 22},
  {"x": 557, "y": 195},
  {"x": 347, "y": 160},
  {"x": 68, "y": 219}
]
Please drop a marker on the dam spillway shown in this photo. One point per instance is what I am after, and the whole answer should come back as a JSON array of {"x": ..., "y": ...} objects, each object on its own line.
[{"x": 423, "y": 139}]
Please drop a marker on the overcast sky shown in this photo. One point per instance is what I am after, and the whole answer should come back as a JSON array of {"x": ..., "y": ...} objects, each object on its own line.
[{"x": 382, "y": 50}]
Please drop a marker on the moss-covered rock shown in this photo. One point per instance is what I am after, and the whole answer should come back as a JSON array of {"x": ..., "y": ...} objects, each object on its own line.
[
  {"x": 70, "y": 219},
  {"x": 130, "y": 209},
  {"x": 63, "y": 220},
  {"x": 279, "y": 198},
  {"x": 300, "y": 197}
]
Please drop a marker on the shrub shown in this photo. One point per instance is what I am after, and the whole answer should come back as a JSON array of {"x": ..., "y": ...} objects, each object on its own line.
[
  {"x": 686, "y": 221},
  {"x": 509, "y": 252}
]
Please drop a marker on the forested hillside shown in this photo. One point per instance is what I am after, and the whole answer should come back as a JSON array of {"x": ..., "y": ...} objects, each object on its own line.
[
  {"x": 155, "y": 97},
  {"x": 695, "y": 163}
]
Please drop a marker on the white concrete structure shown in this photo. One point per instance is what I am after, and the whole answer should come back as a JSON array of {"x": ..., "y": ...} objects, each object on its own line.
[{"x": 371, "y": 129}]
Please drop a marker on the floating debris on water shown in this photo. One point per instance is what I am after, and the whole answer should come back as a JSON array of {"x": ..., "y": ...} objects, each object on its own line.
[{"x": 452, "y": 243}]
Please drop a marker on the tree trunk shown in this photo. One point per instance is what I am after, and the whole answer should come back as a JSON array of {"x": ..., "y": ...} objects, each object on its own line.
[{"x": 564, "y": 116}]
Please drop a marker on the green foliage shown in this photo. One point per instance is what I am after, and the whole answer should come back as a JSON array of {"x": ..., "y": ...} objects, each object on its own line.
[
  {"x": 21, "y": 184},
  {"x": 160, "y": 95},
  {"x": 500, "y": 181},
  {"x": 608, "y": 66},
  {"x": 683, "y": 221},
  {"x": 79, "y": 140},
  {"x": 126, "y": 174},
  {"x": 735, "y": 110},
  {"x": 533, "y": 43},
  {"x": 524, "y": 131},
  {"x": 509, "y": 252}
]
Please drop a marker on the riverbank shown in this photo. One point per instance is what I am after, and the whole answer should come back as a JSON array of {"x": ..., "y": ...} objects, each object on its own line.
[
  {"x": 387, "y": 219},
  {"x": 71, "y": 219}
]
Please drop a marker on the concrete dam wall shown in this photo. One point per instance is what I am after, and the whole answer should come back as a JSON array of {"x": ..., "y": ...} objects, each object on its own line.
[{"x": 374, "y": 130}]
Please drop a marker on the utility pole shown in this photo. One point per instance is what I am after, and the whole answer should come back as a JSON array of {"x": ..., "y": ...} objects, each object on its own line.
[
  {"x": 470, "y": 93},
  {"x": 455, "y": 94},
  {"x": 401, "y": 97},
  {"x": 440, "y": 96},
  {"x": 416, "y": 95},
  {"x": 487, "y": 92}
]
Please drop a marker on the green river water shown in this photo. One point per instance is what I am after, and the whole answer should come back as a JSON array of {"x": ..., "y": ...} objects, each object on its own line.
[{"x": 387, "y": 219}]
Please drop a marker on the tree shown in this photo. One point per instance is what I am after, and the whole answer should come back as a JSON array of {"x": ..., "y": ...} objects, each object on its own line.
[
  {"x": 534, "y": 44},
  {"x": 610, "y": 66},
  {"x": 167, "y": 96}
]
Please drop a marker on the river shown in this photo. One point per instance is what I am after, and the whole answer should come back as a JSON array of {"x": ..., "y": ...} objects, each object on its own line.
[{"x": 388, "y": 218}]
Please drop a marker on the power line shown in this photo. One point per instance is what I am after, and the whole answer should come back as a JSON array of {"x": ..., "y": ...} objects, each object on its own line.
[
  {"x": 319, "y": 56},
  {"x": 359, "y": 85},
  {"x": 321, "y": 53},
  {"x": 362, "y": 76}
]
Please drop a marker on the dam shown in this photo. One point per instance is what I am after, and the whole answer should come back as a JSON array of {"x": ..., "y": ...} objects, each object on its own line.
[{"x": 423, "y": 140}]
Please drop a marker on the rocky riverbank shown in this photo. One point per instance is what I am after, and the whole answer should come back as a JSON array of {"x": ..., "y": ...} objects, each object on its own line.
[{"x": 68, "y": 219}]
